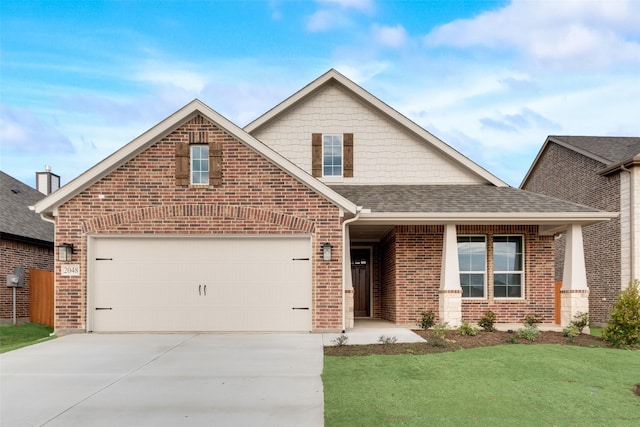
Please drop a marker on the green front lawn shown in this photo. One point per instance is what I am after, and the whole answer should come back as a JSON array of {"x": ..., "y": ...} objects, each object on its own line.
[
  {"x": 506, "y": 385},
  {"x": 13, "y": 337}
]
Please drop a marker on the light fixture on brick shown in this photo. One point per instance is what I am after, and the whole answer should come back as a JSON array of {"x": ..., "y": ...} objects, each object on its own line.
[
  {"x": 326, "y": 251},
  {"x": 65, "y": 251}
]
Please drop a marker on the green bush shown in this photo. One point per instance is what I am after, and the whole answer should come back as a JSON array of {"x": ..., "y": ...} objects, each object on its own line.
[
  {"x": 440, "y": 329},
  {"x": 529, "y": 332},
  {"x": 487, "y": 321},
  {"x": 532, "y": 319},
  {"x": 623, "y": 329},
  {"x": 465, "y": 329},
  {"x": 580, "y": 321},
  {"x": 427, "y": 320},
  {"x": 571, "y": 332},
  {"x": 340, "y": 340}
]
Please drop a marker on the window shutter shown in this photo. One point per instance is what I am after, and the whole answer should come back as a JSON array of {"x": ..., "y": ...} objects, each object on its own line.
[
  {"x": 215, "y": 163},
  {"x": 182, "y": 163},
  {"x": 316, "y": 154},
  {"x": 347, "y": 150}
]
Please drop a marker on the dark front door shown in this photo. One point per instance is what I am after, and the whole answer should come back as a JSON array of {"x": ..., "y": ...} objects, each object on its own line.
[{"x": 360, "y": 271}]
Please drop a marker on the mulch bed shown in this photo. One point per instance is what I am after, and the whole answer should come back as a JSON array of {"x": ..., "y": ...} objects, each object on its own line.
[{"x": 454, "y": 341}]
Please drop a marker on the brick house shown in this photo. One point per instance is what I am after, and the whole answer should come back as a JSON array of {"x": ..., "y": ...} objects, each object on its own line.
[
  {"x": 331, "y": 206},
  {"x": 26, "y": 241},
  {"x": 600, "y": 172}
]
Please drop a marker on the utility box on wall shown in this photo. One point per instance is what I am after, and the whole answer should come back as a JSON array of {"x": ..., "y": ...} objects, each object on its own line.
[
  {"x": 16, "y": 280},
  {"x": 13, "y": 281}
]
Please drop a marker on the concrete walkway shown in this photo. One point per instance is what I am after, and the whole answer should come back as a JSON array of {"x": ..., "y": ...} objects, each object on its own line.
[
  {"x": 370, "y": 331},
  {"x": 164, "y": 380}
]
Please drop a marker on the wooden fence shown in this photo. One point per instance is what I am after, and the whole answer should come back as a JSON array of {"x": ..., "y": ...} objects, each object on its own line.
[{"x": 41, "y": 296}]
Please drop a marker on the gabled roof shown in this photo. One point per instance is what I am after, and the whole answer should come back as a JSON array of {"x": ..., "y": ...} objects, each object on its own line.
[
  {"x": 611, "y": 151},
  {"x": 334, "y": 77},
  {"x": 466, "y": 204},
  {"x": 50, "y": 204},
  {"x": 17, "y": 221}
]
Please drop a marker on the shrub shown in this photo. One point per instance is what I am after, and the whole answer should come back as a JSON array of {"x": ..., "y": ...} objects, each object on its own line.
[
  {"x": 387, "y": 340},
  {"x": 487, "y": 321},
  {"x": 529, "y": 332},
  {"x": 427, "y": 320},
  {"x": 440, "y": 329},
  {"x": 340, "y": 340},
  {"x": 571, "y": 332},
  {"x": 532, "y": 319},
  {"x": 467, "y": 329},
  {"x": 623, "y": 329},
  {"x": 580, "y": 321}
]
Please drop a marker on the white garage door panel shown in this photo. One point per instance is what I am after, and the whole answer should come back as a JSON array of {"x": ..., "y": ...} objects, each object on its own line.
[{"x": 192, "y": 284}]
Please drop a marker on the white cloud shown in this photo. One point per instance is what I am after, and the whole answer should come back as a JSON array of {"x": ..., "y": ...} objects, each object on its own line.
[
  {"x": 24, "y": 132},
  {"x": 169, "y": 75},
  {"x": 323, "y": 20},
  {"x": 562, "y": 34},
  {"x": 390, "y": 36},
  {"x": 362, "y": 5}
]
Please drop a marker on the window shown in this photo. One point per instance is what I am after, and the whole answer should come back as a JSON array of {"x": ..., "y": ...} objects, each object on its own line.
[
  {"x": 472, "y": 256},
  {"x": 199, "y": 164},
  {"x": 508, "y": 269},
  {"x": 332, "y": 155}
]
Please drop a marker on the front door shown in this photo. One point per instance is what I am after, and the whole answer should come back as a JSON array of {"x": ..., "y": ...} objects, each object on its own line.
[{"x": 360, "y": 271}]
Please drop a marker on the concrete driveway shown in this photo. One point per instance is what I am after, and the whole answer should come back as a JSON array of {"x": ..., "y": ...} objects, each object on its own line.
[{"x": 164, "y": 380}]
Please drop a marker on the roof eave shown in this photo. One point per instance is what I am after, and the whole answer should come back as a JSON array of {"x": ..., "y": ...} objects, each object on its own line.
[{"x": 486, "y": 218}]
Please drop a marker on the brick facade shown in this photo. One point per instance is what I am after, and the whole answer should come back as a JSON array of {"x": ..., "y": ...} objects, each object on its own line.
[
  {"x": 19, "y": 254},
  {"x": 411, "y": 261},
  {"x": 255, "y": 197},
  {"x": 567, "y": 175}
]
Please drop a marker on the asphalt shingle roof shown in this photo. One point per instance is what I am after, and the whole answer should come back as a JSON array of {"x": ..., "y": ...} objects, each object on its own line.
[
  {"x": 613, "y": 148},
  {"x": 454, "y": 198},
  {"x": 15, "y": 217}
]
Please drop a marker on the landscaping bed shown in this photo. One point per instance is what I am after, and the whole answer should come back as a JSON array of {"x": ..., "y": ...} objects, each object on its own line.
[{"x": 454, "y": 341}]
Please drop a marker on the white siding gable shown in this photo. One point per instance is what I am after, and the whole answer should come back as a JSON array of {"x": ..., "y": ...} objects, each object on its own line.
[{"x": 384, "y": 151}]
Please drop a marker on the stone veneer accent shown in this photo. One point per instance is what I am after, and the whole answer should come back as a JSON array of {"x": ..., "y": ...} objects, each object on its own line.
[{"x": 256, "y": 197}]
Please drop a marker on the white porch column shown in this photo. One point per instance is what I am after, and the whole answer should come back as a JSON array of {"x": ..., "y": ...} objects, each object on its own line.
[
  {"x": 574, "y": 292},
  {"x": 450, "y": 291}
]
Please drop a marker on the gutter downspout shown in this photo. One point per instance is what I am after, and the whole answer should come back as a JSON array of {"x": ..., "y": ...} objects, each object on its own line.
[
  {"x": 345, "y": 246},
  {"x": 632, "y": 215}
]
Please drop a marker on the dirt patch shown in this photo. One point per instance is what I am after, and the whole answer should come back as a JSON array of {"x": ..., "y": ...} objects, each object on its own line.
[
  {"x": 637, "y": 390},
  {"x": 453, "y": 341}
]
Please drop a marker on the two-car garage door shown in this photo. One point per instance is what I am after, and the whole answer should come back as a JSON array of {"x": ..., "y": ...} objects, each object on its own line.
[{"x": 199, "y": 284}]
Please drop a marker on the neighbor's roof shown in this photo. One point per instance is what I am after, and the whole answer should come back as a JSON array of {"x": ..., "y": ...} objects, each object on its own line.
[
  {"x": 17, "y": 221},
  {"x": 50, "y": 204},
  {"x": 466, "y": 203},
  {"x": 611, "y": 151},
  {"x": 334, "y": 77}
]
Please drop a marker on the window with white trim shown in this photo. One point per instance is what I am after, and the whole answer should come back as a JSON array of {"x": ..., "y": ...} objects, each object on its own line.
[
  {"x": 472, "y": 262},
  {"x": 332, "y": 155},
  {"x": 508, "y": 267},
  {"x": 199, "y": 163}
]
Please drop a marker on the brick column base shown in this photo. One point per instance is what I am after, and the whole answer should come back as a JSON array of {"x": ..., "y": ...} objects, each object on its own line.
[
  {"x": 348, "y": 304},
  {"x": 572, "y": 302},
  {"x": 451, "y": 307}
]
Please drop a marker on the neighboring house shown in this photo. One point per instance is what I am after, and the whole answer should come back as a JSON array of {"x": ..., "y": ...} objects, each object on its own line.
[
  {"x": 26, "y": 242},
  {"x": 331, "y": 206},
  {"x": 600, "y": 172}
]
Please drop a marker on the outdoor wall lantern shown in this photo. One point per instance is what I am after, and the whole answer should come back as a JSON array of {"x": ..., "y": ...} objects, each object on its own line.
[
  {"x": 326, "y": 251},
  {"x": 65, "y": 251}
]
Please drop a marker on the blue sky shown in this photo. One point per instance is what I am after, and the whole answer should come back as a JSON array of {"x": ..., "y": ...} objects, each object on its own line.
[{"x": 80, "y": 79}]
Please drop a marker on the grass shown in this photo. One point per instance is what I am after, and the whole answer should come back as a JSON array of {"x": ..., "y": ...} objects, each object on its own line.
[
  {"x": 13, "y": 337},
  {"x": 499, "y": 386},
  {"x": 595, "y": 331}
]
